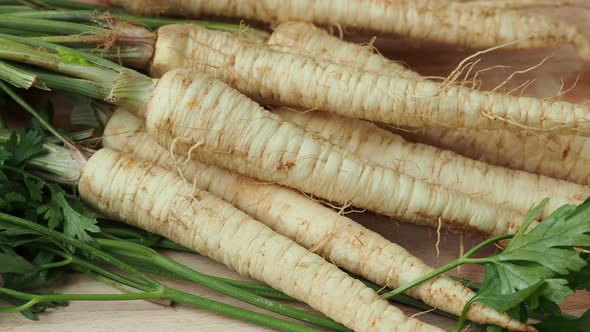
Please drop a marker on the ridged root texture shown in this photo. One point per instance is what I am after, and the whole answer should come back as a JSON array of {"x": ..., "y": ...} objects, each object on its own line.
[
  {"x": 189, "y": 109},
  {"x": 157, "y": 200},
  {"x": 561, "y": 157},
  {"x": 292, "y": 80},
  {"x": 337, "y": 238},
  {"x": 309, "y": 40},
  {"x": 440, "y": 166},
  {"x": 463, "y": 25}
]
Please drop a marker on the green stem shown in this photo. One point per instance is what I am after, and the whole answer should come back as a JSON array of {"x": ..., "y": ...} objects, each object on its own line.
[
  {"x": 224, "y": 309},
  {"x": 18, "y": 50},
  {"x": 433, "y": 274},
  {"x": 75, "y": 85},
  {"x": 45, "y": 4},
  {"x": 120, "y": 287},
  {"x": 20, "y": 78},
  {"x": 36, "y": 115},
  {"x": 65, "y": 4},
  {"x": 408, "y": 300},
  {"x": 89, "y": 249},
  {"x": 465, "y": 259},
  {"x": 157, "y": 289},
  {"x": 15, "y": 32},
  {"x": 41, "y": 50},
  {"x": 144, "y": 264},
  {"x": 132, "y": 249},
  {"x": 114, "y": 276},
  {"x": 7, "y": 9},
  {"x": 129, "y": 89},
  {"x": 487, "y": 243},
  {"x": 106, "y": 80},
  {"x": 21, "y": 172},
  {"x": 462, "y": 319},
  {"x": 167, "y": 244},
  {"x": 72, "y": 39},
  {"x": 80, "y": 297},
  {"x": 81, "y": 265},
  {"x": 48, "y": 26},
  {"x": 150, "y": 22},
  {"x": 34, "y": 298},
  {"x": 54, "y": 265}
]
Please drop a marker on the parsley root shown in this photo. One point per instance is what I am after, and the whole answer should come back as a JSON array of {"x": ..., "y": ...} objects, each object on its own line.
[
  {"x": 189, "y": 112},
  {"x": 337, "y": 238},
  {"x": 309, "y": 40},
  {"x": 144, "y": 195},
  {"x": 294, "y": 80},
  {"x": 439, "y": 166},
  {"x": 464, "y": 25},
  {"x": 561, "y": 157}
]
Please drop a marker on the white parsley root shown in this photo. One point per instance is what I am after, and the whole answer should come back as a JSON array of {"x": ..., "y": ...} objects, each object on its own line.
[
  {"x": 279, "y": 78},
  {"x": 337, "y": 238},
  {"x": 157, "y": 200},
  {"x": 471, "y": 24}
]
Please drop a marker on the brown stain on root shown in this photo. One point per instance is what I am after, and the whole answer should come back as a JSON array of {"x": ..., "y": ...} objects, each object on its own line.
[
  {"x": 565, "y": 153},
  {"x": 286, "y": 166}
]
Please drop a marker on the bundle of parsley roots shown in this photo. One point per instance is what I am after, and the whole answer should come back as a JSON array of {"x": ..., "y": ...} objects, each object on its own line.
[{"x": 191, "y": 161}]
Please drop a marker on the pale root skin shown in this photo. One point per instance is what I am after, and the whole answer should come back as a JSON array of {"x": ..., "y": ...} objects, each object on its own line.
[
  {"x": 190, "y": 110},
  {"x": 561, "y": 157},
  {"x": 293, "y": 80},
  {"x": 308, "y": 40},
  {"x": 464, "y": 25},
  {"x": 337, "y": 238},
  {"x": 157, "y": 200},
  {"x": 519, "y": 4},
  {"x": 516, "y": 190}
]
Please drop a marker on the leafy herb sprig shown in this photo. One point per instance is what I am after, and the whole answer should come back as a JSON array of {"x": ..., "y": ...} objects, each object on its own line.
[
  {"x": 45, "y": 230},
  {"x": 537, "y": 270}
]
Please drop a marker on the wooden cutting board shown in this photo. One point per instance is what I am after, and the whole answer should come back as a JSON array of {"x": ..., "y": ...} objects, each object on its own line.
[{"x": 427, "y": 59}]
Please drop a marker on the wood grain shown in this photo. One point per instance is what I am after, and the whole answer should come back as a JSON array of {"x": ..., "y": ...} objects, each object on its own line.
[{"x": 427, "y": 59}]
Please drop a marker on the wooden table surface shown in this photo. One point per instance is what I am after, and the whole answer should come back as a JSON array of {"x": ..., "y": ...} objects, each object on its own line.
[{"x": 427, "y": 59}]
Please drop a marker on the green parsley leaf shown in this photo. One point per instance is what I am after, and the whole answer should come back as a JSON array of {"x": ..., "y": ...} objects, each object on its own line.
[
  {"x": 546, "y": 253},
  {"x": 581, "y": 279},
  {"x": 540, "y": 267},
  {"x": 12, "y": 200},
  {"x": 565, "y": 324},
  {"x": 23, "y": 146},
  {"x": 4, "y": 154},
  {"x": 52, "y": 213},
  {"x": 34, "y": 188},
  {"x": 495, "y": 293},
  {"x": 11, "y": 262},
  {"x": 76, "y": 222}
]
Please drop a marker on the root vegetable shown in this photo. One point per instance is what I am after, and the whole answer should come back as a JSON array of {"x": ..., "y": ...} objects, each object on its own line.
[
  {"x": 519, "y": 4},
  {"x": 516, "y": 190},
  {"x": 337, "y": 238},
  {"x": 309, "y": 40},
  {"x": 464, "y": 25},
  {"x": 293, "y": 80},
  {"x": 561, "y": 157},
  {"x": 189, "y": 112},
  {"x": 158, "y": 200}
]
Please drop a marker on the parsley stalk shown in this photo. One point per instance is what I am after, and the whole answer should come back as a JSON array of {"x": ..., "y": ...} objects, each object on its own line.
[
  {"x": 72, "y": 11},
  {"x": 150, "y": 288},
  {"x": 538, "y": 268},
  {"x": 465, "y": 259}
]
